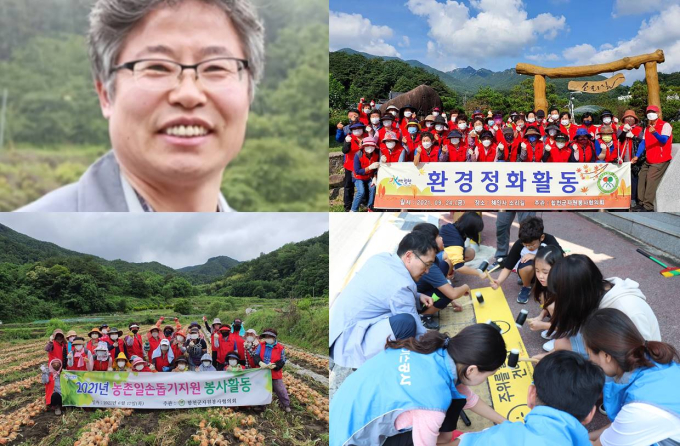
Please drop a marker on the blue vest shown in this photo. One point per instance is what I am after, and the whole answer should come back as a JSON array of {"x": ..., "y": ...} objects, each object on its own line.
[
  {"x": 369, "y": 401},
  {"x": 541, "y": 424},
  {"x": 657, "y": 386}
]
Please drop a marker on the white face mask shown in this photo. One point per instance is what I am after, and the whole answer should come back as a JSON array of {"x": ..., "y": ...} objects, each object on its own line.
[
  {"x": 462, "y": 125},
  {"x": 206, "y": 363},
  {"x": 102, "y": 355},
  {"x": 408, "y": 114},
  {"x": 366, "y": 110},
  {"x": 250, "y": 338},
  {"x": 114, "y": 337},
  {"x": 233, "y": 362},
  {"x": 71, "y": 339},
  {"x": 479, "y": 128},
  {"x": 531, "y": 120},
  {"x": 606, "y": 120},
  {"x": 269, "y": 341},
  {"x": 164, "y": 347},
  {"x": 486, "y": 142},
  {"x": 375, "y": 121},
  {"x": 439, "y": 128},
  {"x": 79, "y": 348},
  {"x": 564, "y": 122},
  {"x": 369, "y": 149},
  {"x": 455, "y": 141},
  {"x": 652, "y": 116},
  {"x": 181, "y": 366},
  {"x": 139, "y": 366},
  {"x": 387, "y": 123},
  {"x": 104, "y": 331},
  {"x": 552, "y": 133},
  {"x": 394, "y": 113},
  {"x": 180, "y": 338},
  {"x": 121, "y": 364},
  {"x": 390, "y": 144},
  {"x": 435, "y": 113},
  {"x": 561, "y": 145},
  {"x": 94, "y": 336},
  {"x": 357, "y": 132},
  {"x": 427, "y": 145},
  {"x": 428, "y": 125},
  {"x": 194, "y": 336},
  {"x": 555, "y": 117}
]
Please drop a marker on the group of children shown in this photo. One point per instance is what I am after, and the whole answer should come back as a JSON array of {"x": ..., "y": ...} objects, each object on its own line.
[
  {"x": 607, "y": 354},
  {"x": 166, "y": 349},
  {"x": 374, "y": 136}
]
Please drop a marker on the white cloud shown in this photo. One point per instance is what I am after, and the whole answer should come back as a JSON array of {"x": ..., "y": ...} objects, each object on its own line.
[
  {"x": 541, "y": 57},
  {"x": 631, "y": 7},
  {"x": 500, "y": 28},
  {"x": 405, "y": 42},
  {"x": 661, "y": 31},
  {"x": 356, "y": 32}
]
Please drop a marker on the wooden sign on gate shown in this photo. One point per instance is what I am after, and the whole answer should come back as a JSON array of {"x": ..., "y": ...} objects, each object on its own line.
[{"x": 597, "y": 86}]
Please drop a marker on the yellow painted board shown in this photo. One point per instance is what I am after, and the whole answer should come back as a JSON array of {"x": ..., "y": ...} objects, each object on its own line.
[{"x": 508, "y": 386}]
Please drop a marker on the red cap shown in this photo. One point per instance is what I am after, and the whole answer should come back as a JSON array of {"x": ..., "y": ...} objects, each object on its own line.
[{"x": 653, "y": 108}]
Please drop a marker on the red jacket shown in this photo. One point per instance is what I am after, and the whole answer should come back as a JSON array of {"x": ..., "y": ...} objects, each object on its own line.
[
  {"x": 572, "y": 131},
  {"x": 557, "y": 155},
  {"x": 431, "y": 157},
  {"x": 275, "y": 356},
  {"x": 226, "y": 346},
  {"x": 456, "y": 154},
  {"x": 349, "y": 157},
  {"x": 393, "y": 155},
  {"x": 393, "y": 129},
  {"x": 586, "y": 155},
  {"x": 58, "y": 352},
  {"x": 100, "y": 366},
  {"x": 90, "y": 346},
  {"x": 412, "y": 141},
  {"x": 486, "y": 154},
  {"x": 612, "y": 153},
  {"x": 137, "y": 347},
  {"x": 161, "y": 361},
  {"x": 657, "y": 152}
]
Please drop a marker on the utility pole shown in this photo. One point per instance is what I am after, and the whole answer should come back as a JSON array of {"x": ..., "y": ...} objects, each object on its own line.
[{"x": 2, "y": 117}]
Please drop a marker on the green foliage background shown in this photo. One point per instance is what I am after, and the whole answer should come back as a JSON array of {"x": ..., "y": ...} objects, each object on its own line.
[{"x": 55, "y": 128}]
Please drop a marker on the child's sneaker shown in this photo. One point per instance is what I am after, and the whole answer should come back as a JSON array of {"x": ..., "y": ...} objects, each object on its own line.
[
  {"x": 549, "y": 346},
  {"x": 544, "y": 335},
  {"x": 524, "y": 295}
]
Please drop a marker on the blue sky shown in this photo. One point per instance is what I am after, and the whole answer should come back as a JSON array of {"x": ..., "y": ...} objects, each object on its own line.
[{"x": 497, "y": 34}]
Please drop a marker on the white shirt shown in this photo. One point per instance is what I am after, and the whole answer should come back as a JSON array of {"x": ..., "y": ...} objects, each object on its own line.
[{"x": 641, "y": 424}]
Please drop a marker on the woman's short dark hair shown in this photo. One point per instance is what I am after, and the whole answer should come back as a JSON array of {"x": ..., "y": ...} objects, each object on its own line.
[
  {"x": 419, "y": 242},
  {"x": 427, "y": 135},
  {"x": 568, "y": 382},
  {"x": 577, "y": 286},
  {"x": 530, "y": 229},
  {"x": 565, "y": 113},
  {"x": 548, "y": 254},
  {"x": 470, "y": 225},
  {"x": 479, "y": 344}
]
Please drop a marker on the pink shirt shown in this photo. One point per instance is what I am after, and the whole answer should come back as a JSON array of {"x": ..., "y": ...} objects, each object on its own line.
[{"x": 426, "y": 423}]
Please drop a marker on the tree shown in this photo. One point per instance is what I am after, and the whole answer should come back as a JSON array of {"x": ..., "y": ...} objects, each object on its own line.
[{"x": 183, "y": 307}]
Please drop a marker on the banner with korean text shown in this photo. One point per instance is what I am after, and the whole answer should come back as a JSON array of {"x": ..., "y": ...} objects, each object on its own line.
[
  {"x": 143, "y": 390},
  {"x": 494, "y": 186}
]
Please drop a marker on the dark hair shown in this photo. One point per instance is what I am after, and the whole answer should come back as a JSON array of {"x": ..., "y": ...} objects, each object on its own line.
[
  {"x": 565, "y": 113},
  {"x": 470, "y": 225},
  {"x": 578, "y": 286},
  {"x": 375, "y": 111},
  {"x": 530, "y": 229},
  {"x": 461, "y": 117},
  {"x": 611, "y": 331},
  {"x": 478, "y": 118},
  {"x": 552, "y": 109},
  {"x": 548, "y": 254},
  {"x": 479, "y": 344},
  {"x": 427, "y": 228},
  {"x": 426, "y": 135},
  {"x": 586, "y": 115},
  {"x": 568, "y": 382},
  {"x": 419, "y": 242}
]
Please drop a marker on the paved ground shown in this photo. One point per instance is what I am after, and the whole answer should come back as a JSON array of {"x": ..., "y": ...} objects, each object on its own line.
[{"x": 357, "y": 237}]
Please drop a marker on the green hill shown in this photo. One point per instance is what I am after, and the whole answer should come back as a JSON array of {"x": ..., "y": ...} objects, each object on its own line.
[{"x": 215, "y": 267}]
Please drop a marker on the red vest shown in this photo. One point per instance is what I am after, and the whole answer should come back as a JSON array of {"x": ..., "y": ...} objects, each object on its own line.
[
  {"x": 75, "y": 361},
  {"x": 431, "y": 157},
  {"x": 349, "y": 157},
  {"x": 118, "y": 347},
  {"x": 534, "y": 154},
  {"x": 393, "y": 129},
  {"x": 392, "y": 156},
  {"x": 628, "y": 143},
  {"x": 226, "y": 346},
  {"x": 657, "y": 152},
  {"x": 100, "y": 366},
  {"x": 456, "y": 154},
  {"x": 137, "y": 347},
  {"x": 154, "y": 342},
  {"x": 58, "y": 352},
  {"x": 366, "y": 161},
  {"x": 486, "y": 155},
  {"x": 49, "y": 389},
  {"x": 161, "y": 361},
  {"x": 90, "y": 346},
  {"x": 558, "y": 155},
  {"x": 411, "y": 144},
  {"x": 612, "y": 153},
  {"x": 239, "y": 341},
  {"x": 587, "y": 155},
  {"x": 275, "y": 356},
  {"x": 572, "y": 131}
]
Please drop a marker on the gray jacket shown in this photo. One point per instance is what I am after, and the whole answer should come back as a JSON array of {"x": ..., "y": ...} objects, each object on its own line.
[{"x": 100, "y": 189}]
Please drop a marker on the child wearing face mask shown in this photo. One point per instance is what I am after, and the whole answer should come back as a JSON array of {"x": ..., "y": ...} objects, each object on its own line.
[
  {"x": 272, "y": 355},
  {"x": 366, "y": 163},
  {"x": 51, "y": 378},
  {"x": 79, "y": 358},
  {"x": 181, "y": 365}
]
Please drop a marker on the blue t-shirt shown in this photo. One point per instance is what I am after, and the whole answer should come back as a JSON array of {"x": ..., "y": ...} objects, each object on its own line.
[{"x": 435, "y": 277}]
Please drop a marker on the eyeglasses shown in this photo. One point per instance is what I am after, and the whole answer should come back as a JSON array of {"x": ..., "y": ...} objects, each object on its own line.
[
  {"x": 427, "y": 265},
  {"x": 161, "y": 74}
]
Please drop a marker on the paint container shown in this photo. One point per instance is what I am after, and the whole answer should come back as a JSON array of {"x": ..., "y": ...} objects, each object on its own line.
[
  {"x": 479, "y": 296},
  {"x": 494, "y": 325},
  {"x": 513, "y": 358},
  {"x": 521, "y": 318}
]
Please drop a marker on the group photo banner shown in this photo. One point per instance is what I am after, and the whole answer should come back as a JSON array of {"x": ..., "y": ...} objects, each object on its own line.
[
  {"x": 145, "y": 390},
  {"x": 494, "y": 186}
]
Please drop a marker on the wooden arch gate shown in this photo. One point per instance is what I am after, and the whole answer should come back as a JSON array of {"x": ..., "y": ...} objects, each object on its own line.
[{"x": 627, "y": 63}]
